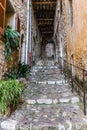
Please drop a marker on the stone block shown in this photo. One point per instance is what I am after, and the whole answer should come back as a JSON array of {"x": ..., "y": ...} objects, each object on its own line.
[
  {"x": 31, "y": 102},
  {"x": 44, "y": 101},
  {"x": 64, "y": 100},
  {"x": 75, "y": 100},
  {"x": 51, "y": 82},
  {"x": 55, "y": 101},
  {"x": 44, "y": 82},
  {"x": 9, "y": 125}
]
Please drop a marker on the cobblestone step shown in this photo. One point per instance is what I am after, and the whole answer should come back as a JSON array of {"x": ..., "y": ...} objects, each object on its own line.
[
  {"x": 51, "y": 93},
  {"x": 36, "y": 117},
  {"x": 51, "y": 82},
  {"x": 47, "y": 76},
  {"x": 48, "y": 104},
  {"x": 47, "y": 126},
  {"x": 73, "y": 100},
  {"x": 45, "y": 67}
]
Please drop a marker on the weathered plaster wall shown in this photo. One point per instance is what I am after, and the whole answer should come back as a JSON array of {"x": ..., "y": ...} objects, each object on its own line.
[
  {"x": 70, "y": 33},
  {"x": 21, "y": 9},
  {"x": 77, "y": 34}
]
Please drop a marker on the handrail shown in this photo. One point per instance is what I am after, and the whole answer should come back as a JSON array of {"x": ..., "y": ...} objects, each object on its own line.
[{"x": 68, "y": 66}]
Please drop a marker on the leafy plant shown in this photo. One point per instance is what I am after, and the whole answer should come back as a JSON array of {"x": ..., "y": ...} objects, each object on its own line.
[
  {"x": 11, "y": 74},
  {"x": 23, "y": 70},
  {"x": 12, "y": 41},
  {"x": 10, "y": 93}
]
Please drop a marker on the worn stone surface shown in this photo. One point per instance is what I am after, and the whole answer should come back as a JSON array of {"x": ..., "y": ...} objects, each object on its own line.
[
  {"x": 31, "y": 102},
  {"x": 21, "y": 10},
  {"x": 44, "y": 101},
  {"x": 49, "y": 106},
  {"x": 70, "y": 34},
  {"x": 9, "y": 125},
  {"x": 2, "y": 60}
]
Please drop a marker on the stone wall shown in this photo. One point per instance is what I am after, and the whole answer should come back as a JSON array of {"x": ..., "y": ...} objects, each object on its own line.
[
  {"x": 60, "y": 31},
  {"x": 2, "y": 58},
  {"x": 36, "y": 40},
  {"x": 21, "y": 9},
  {"x": 21, "y": 12}
]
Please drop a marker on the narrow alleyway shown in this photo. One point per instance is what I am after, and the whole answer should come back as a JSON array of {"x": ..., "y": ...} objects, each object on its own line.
[
  {"x": 49, "y": 30},
  {"x": 48, "y": 103}
]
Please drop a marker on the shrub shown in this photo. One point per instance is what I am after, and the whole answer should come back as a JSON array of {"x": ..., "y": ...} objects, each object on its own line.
[
  {"x": 10, "y": 94},
  {"x": 22, "y": 71}
]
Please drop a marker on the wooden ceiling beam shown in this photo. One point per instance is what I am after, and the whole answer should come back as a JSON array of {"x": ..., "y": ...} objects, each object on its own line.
[
  {"x": 45, "y": 19},
  {"x": 47, "y": 32},
  {"x": 43, "y": 3},
  {"x": 44, "y": 24}
]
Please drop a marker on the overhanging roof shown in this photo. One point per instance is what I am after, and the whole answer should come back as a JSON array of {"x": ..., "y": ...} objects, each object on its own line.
[{"x": 44, "y": 11}]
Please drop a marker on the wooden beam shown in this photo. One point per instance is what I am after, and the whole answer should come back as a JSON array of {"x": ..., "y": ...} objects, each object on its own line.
[
  {"x": 45, "y": 19},
  {"x": 44, "y": 24},
  {"x": 43, "y": 3},
  {"x": 47, "y": 32},
  {"x": 41, "y": 11}
]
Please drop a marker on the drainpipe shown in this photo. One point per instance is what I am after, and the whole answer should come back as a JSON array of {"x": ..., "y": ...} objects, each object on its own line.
[
  {"x": 30, "y": 29},
  {"x": 27, "y": 35},
  {"x": 30, "y": 35}
]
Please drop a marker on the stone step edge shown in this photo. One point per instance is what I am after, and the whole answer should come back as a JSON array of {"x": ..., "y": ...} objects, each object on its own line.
[
  {"x": 73, "y": 100},
  {"x": 51, "y": 82},
  {"x": 10, "y": 124},
  {"x": 44, "y": 67}
]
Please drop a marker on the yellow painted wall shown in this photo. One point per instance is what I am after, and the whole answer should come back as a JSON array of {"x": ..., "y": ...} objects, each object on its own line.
[{"x": 77, "y": 34}]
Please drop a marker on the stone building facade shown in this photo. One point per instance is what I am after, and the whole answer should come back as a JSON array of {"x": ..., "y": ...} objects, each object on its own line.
[
  {"x": 36, "y": 40},
  {"x": 60, "y": 31},
  {"x": 76, "y": 32},
  {"x": 70, "y": 33},
  {"x": 14, "y": 14}
]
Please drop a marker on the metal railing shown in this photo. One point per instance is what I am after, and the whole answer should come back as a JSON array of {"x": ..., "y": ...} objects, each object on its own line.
[{"x": 76, "y": 76}]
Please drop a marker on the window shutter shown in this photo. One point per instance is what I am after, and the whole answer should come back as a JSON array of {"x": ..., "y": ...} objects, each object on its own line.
[
  {"x": 18, "y": 23},
  {"x": 3, "y": 2},
  {"x": 2, "y": 15}
]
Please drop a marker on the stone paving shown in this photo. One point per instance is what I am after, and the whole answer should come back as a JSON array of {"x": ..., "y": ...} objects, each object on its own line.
[{"x": 48, "y": 104}]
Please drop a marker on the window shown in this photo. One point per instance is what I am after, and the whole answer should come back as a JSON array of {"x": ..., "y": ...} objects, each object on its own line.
[
  {"x": 61, "y": 6},
  {"x": 2, "y": 15},
  {"x": 10, "y": 16},
  {"x": 70, "y": 13},
  {"x": 18, "y": 24}
]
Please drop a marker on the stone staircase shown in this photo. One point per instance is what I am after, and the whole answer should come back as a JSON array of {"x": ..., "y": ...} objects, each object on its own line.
[{"x": 49, "y": 103}]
